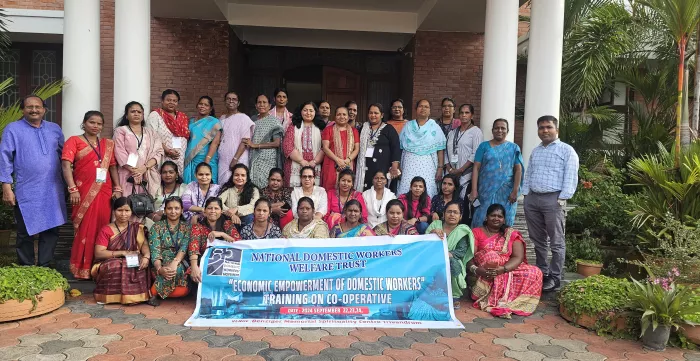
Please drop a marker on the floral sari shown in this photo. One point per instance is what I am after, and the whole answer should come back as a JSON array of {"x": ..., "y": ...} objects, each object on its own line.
[
  {"x": 114, "y": 281},
  {"x": 460, "y": 243},
  {"x": 165, "y": 245},
  {"x": 262, "y": 160},
  {"x": 361, "y": 230},
  {"x": 202, "y": 133},
  {"x": 405, "y": 228},
  {"x": 517, "y": 291},
  {"x": 94, "y": 210}
]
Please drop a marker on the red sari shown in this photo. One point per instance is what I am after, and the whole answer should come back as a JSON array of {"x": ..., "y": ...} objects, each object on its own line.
[
  {"x": 94, "y": 210},
  {"x": 517, "y": 291},
  {"x": 340, "y": 145},
  {"x": 335, "y": 208}
]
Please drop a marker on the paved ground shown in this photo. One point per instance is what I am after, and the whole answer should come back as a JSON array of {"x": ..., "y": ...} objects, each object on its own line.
[{"x": 83, "y": 330}]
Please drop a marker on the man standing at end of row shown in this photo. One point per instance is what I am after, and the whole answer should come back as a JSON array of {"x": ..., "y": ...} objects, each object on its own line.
[{"x": 550, "y": 180}]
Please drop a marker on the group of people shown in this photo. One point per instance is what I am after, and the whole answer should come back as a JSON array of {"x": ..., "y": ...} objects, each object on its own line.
[{"x": 312, "y": 173}]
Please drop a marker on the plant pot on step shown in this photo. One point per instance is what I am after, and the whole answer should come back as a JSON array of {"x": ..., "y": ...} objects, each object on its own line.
[
  {"x": 47, "y": 301},
  {"x": 692, "y": 333},
  {"x": 588, "y": 268},
  {"x": 656, "y": 340}
]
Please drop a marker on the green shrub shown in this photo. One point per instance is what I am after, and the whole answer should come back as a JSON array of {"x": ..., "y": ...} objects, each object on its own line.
[
  {"x": 581, "y": 246},
  {"x": 595, "y": 295},
  {"x": 27, "y": 282}
]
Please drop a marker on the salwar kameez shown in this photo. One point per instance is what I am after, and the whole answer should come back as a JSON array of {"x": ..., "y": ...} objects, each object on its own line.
[{"x": 165, "y": 243}]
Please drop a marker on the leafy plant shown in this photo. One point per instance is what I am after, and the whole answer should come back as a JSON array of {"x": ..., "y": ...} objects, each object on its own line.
[
  {"x": 12, "y": 112},
  {"x": 589, "y": 262},
  {"x": 661, "y": 302},
  {"x": 27, "y": 282},
  {"x": 595, "y": 295},
  {"x": 581, "y": 246},
  {"x": 7, "y": 217}
]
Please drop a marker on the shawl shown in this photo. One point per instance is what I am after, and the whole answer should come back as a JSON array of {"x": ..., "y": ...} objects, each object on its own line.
[
  {"x": 453, "y": 238},
  {"x": 338, "y": 143},
  {"x": 315, "y": 145},
  {"x": 376, "y": 209},
  {"x": 424, "y": 140},
  {"x": 291, "y": 230},
  {"x": 364, "y": 143},
  {"x": 178, "y": 125},
  {"x": 285, "y": 119}
]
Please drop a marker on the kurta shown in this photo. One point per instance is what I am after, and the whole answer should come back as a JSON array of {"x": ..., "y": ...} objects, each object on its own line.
[
  {"x": 272, "y": 232},
  {"x": 318, "y": 195},
  {"x": 235, "y": 128},
  {"x": 387, "y": 149},
  {"x": 33, "y": 156},
  {"x": 307, "y": 141},
  {"x": 376, "y": 209},
  {"x": 461, "y": 148},
  {"x": 157, "y": 123},
  {"x": 125, "y": 143},
  {"x": 165, "y": 244},
  {"x": 231, "y": 199},
  {"x": 194, "y": 197}
]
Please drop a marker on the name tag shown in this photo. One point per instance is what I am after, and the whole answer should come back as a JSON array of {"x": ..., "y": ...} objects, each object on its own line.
[
  {"x": 454, "y": 158},
  {"x": 369, "y": 153},
  {"x": 132, "y": 260},
  {"x": 133, "y": 160},
  {"x": 101, "y": 175},
  {"x": 178, "y": 142}
]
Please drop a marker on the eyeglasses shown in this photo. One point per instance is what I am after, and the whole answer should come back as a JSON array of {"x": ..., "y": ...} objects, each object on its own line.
[
  {"x": 307, "y": 177},
  {"x": 231, "y": 100},
  {"x": 452, "y": 212},
  {"x": 172, "y": 198},
  {"x": 397, "y": 107},
  {"x": 36, "y": 107}
]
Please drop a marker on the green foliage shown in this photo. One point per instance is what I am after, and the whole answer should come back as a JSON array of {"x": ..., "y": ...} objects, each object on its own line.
[
  {"x": 7, "y": 217},
  {"x": 661, "y": 302},
  {"x": 595, "y": 295},
  {"x": 12, "y": 112},
  {"x": 4, "y": 35},
  {"x": 589, "y": 262},
  {"x": 581, "y": 246},
  {"x": 27, "y": 282},
  {"x": 588, "y": 129}
]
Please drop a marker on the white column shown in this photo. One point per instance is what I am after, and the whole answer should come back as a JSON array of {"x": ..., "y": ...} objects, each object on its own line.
[
  {"x": 500, "y": 65},
  {"x": 132, "y": 54},
  {"x": 81, "y": 62},
  {"x": 544, "y": 52}
]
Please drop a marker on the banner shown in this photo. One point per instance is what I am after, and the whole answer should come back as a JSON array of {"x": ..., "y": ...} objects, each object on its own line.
[{"x": 399, "y": 282}]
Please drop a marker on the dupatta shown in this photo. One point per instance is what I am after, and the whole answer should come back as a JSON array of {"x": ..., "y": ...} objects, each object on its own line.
[{"x": 424, "y": 140}]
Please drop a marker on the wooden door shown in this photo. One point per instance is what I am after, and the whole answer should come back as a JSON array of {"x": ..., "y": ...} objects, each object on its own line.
[{"x": 340, "y": 86}]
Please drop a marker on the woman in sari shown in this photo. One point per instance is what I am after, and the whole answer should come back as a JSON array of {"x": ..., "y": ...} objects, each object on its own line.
[
  {"x": 351, "y": 226},
  {"x": 198, "y": 192},
  {"x": 122, "y": 255},
  {"x": 460, "y": 245},
  {"x": 210, "y": 227},
  {"x": 138, "y": 151},
  {"x": 377, "y": 199},
  {"x": 397, "y": 115},
  {"x": 239, "y": 196},
  {"x": 498, "y": 170},
  {"x": 449, "y": 192},
  {"x": 341, "y": 144},
  {"x": 379, "y": 150},
  {"x": 262, "y": 226},
  {"x": 170, "y": 186},
  {"x": 279, "y": 111},
  {"x": 395, "y": 224},
  {"x": 338, "y": 198},
  {"x": 308, "y": 189},
  {"x": 506, "y": 284},
  {"x": 423, "y": 144},
  {"x": 265, "y": 152},
  {"x": 280, "y": 197},
  {"x": 417, "y": 205},
  {"x": 205, "y": 136},
  {"x": 171, "y": 126},
  {"x": 86, "y": 162},
  {"x": 168, "y": 239},
  {"x": 305, "y": 225},
  {"x": 302, "y": 143}
]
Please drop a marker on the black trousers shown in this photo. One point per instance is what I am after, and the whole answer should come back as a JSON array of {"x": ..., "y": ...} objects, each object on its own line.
[{"x": 25, "y": 243}]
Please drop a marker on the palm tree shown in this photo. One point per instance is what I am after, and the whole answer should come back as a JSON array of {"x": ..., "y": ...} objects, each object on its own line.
[{"x": 678, "y": 18}]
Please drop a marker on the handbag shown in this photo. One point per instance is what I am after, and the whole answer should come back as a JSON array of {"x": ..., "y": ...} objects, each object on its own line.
[{"x": 142, "y": 204}]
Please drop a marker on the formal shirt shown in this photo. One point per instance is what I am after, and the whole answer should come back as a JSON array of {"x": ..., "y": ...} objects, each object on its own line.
[
  {"x": 33, "y": 156},
  {"x": 552, "y": 168}
]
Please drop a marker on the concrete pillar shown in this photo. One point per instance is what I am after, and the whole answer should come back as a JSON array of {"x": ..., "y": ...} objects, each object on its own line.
[
  {"x": 500, "y": 65},
  {"x": 132, "y": 55},
  {"x": 544, "y": 57},
  {"x": 81, "y": 62}
]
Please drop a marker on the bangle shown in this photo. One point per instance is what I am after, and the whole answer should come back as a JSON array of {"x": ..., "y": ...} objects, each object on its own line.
[
  {"x": 473, "y": 268},
  {"x": 72, "y": 189}
]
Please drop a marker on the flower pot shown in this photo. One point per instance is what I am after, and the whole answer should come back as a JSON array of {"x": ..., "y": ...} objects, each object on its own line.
[
  {"x": 618, "y": 320},
  {"x": 586, "y": 321},
  {"x": 656, "y": 339},
  {"x": 47, "y": 301},
  {"x": 692, "y": 333},
  {"x": 588, "y": 269}
]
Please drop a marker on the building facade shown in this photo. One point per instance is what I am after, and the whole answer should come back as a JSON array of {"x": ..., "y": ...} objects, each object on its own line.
[{"x": 115, "y": 51}]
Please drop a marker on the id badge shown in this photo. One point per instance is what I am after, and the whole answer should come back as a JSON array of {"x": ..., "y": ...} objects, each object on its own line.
[
  {"x": 101, "y": 175},
  {"x": 369, "y": 153},
  {"x": 178, "y": 142},
  {"x": 133, "y": 160},
  {"x": 132, "y": 260},
  {"x": 454, "y": 158}
]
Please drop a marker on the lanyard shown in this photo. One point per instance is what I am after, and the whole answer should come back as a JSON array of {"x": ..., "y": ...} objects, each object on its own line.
[
  {"x": 457, "y": 138},
  {"x": 97, "y": 151},
  {"x": 205, "y": 196},
  {"x": 138, "y": 141},
  {"x": 341, "y": 206},
  {"x": 165, "y": 195},
  {"x": 128, "y": 232},
  {"x": 176, "y": 237}
]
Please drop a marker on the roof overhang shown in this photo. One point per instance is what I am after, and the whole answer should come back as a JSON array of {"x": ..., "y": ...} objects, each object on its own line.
[{"x": 29, "y": 25}]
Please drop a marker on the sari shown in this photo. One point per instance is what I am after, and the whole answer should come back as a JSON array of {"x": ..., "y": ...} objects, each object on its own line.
[
  {"x": 420, "y": 145},
  {"x": 307, "y": 141},
  {"x": 335, "y": 208},
  {"x": 165, "y": 244},
  {"x": 193, "y": 196},
  {"x": 361, "y": 230},
  {"x": 114, "y": 281},
  {"x": 94, "y": 210},
  {"x": 460, "y": 243},
  {"x": 517, "y": 291},
  {"x": 147, "y": 147},
  {"x": 376, "y": 208},
  {"x": 315, "y": 229},
  {"x": 342, "y": 144},
  {"x": 496, "y": 178},
  {"x": 403, "y": 229},
  {"x": 168, "y": 128},
  {"x": 283, "y": 195},
  {"x": 202, "y": 133},
  {"x": 262, "y": 160},
  {"x": 201, "y": 230}
]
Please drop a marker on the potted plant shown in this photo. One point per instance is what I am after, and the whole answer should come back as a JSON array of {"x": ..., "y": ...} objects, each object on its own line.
[
  {"x": 663, "y": 305},
  {"x": 27, "y": 291},
  {"x": 587, "y": 268},
  {"x": 597, "y": 303},
  {"x": 690, "y": 329}
]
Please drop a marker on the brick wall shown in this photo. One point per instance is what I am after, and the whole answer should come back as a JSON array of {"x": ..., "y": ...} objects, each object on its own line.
[
  {"x": 448, "y": 65},
  {"x": 107, "y": 64},
  {"x": 32, "y": 4},
  {"x": 192, "y": 57}
]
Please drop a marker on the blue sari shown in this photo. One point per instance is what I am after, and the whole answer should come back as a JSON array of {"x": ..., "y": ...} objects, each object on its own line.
[
  {"x": 361, "y": 230},
  {"x": 202, "y": 133},
  {"x": 496, "y": 177}
]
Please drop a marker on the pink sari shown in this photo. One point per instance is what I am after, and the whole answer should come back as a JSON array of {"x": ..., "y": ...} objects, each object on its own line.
[{"x": 517, "y": 291}]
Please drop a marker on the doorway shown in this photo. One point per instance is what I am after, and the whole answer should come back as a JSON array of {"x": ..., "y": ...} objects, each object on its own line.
[{"x": 316, "y": 83}]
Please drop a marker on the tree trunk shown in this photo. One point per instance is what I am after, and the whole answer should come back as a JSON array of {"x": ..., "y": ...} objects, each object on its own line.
[
  {"x": 679, "y": 102},
  {"x": 685, "y": 119},
  {"x": 695, "y": 124}
]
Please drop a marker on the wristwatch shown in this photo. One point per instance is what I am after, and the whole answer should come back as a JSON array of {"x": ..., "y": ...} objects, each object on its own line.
[{"x": 562, "y": 202}]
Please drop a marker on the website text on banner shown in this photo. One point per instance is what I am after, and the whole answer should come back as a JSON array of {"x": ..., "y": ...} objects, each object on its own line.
[{"x": 400, "y": 282}]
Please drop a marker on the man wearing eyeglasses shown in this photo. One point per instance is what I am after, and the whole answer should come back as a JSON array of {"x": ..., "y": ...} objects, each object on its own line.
[
  {"x": 30, "y": 152},
  {"x": 236, "y": 128}
]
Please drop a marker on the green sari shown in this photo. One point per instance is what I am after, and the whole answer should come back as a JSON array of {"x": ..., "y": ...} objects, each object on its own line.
[{"x": 460, "y": 242}]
